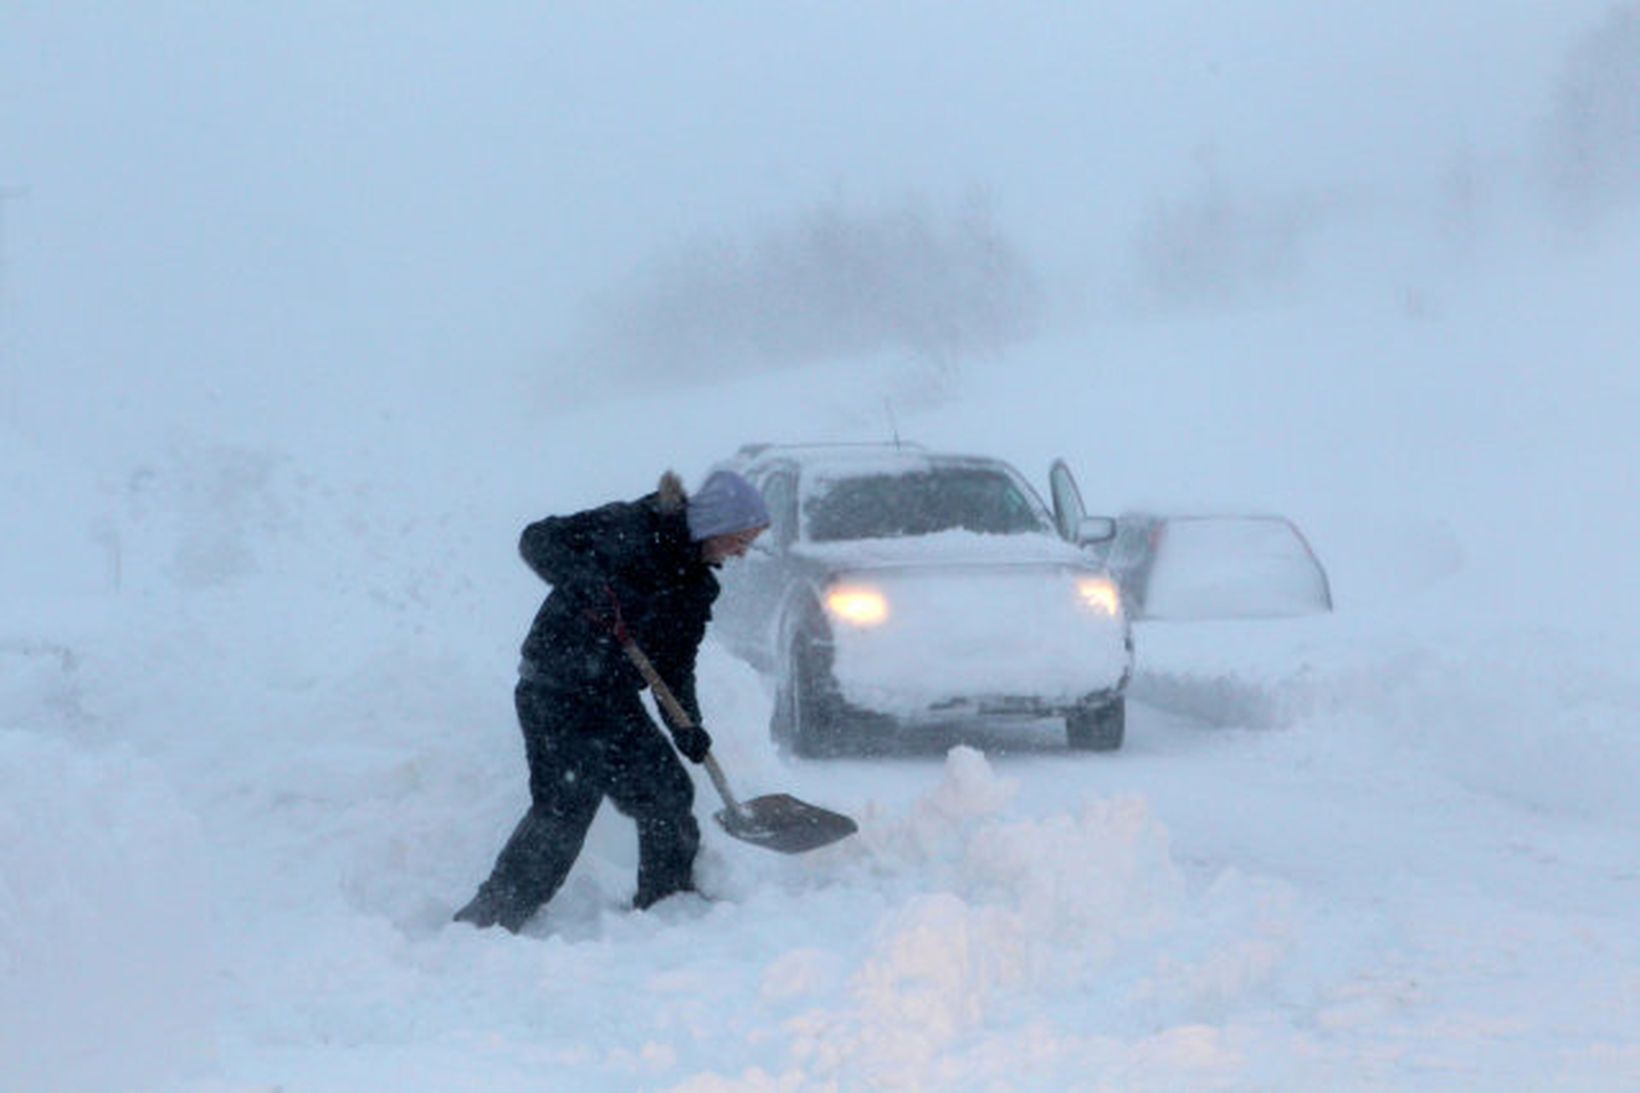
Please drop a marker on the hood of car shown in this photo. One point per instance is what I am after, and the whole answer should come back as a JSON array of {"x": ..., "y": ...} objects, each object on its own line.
[{"x": 946, "y": 549}]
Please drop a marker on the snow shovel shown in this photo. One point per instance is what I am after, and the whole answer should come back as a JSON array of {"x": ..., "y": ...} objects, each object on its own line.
[{"x": 775, "y": 821}]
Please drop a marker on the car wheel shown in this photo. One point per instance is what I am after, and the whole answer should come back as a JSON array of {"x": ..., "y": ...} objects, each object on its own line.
[
  {"x": 810, "y": 707},
  {"x": 1097, "y": 726}
]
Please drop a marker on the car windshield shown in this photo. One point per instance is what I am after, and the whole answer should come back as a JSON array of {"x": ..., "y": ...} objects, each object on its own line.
[{"x": 891, "y": 505}]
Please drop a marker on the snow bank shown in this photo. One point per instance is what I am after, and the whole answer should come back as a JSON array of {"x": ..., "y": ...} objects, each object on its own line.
[
  {"x": 1536, "y": 714},
  {"x": 106, "y": 939},
  {"x": 56, "y": 548}
]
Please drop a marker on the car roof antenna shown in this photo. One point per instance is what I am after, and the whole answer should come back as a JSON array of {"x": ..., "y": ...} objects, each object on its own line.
[{"x": 893, "y": 425}]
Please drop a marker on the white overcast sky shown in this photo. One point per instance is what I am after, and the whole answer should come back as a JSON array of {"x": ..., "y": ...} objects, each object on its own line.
[{"x": 237, "y": 187}]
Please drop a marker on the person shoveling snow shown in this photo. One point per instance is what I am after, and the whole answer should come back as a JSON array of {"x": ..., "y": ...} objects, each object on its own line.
[{"x": 627, "y": 576}]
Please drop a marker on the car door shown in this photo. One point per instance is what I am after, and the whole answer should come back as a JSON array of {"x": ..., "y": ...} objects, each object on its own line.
[
  {"x": 1186, "y": 567},
  {"x": 1068, "y": 509},
  {"x": 1070, "y": 516},
  {"x": 1197, "y": 567}
]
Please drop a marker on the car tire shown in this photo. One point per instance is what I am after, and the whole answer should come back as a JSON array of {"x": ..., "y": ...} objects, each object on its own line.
[
  {"x": 808, "y": 711},
  {"x": 1097, "y": 726}
]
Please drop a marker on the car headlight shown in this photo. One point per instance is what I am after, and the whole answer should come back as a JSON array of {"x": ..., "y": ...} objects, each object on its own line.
[
  {"x": 858, "y": 605},
  {"x": 1100, "y": 594}
]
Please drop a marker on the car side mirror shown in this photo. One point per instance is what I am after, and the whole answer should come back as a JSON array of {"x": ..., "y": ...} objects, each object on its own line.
[{"x": 1094, "y": 530}]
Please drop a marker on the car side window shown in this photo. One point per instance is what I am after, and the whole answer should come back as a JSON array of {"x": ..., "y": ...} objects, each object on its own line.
[{"x": 780, "y": 495}]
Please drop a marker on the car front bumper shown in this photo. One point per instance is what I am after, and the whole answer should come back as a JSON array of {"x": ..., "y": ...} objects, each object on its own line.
[{"x": 993, "y": 647}]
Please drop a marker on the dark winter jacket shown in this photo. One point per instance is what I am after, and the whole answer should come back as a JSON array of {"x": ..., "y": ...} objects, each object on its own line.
[{"x": 639, "y": 551}]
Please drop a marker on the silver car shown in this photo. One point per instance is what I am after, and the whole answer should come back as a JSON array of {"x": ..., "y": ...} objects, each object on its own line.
[{"x": 900, "y": 587}]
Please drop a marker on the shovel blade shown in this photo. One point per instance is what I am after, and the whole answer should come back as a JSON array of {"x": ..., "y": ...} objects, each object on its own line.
[{"x": 781, "y": 822}]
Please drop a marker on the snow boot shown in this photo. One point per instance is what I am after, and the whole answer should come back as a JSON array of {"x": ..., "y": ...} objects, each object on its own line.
[{"x": 485, "y": 910}]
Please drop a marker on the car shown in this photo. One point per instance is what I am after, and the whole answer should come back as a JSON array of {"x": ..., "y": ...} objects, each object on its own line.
[
  {"x": 1188, "y": 566},
  {"x": 899, "y": 587}
]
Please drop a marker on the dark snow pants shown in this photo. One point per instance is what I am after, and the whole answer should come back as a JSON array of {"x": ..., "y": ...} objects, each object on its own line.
[{"x": 580, "y": 752}]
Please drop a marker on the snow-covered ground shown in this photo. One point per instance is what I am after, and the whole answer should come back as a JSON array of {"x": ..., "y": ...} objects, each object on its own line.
[{"x": 256, "y": 737}]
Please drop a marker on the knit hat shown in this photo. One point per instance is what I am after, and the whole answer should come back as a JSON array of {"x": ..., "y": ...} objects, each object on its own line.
[{"x": 724, "y": 504}]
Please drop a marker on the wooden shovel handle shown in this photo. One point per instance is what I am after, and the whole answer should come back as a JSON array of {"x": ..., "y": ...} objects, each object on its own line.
[{"x": 680, "y": 716}]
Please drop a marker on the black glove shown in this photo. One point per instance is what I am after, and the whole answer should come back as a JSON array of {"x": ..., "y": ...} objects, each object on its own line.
[{"x": 693, "y": 741}]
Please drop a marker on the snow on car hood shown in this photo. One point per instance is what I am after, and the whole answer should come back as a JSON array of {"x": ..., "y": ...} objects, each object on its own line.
[
  {"x": 945, "y": 548},
  {"x": 976, "y": 636}
]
